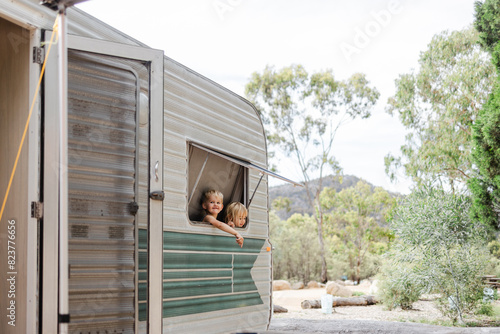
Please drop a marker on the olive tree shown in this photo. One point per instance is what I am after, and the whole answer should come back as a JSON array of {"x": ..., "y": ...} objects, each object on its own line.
[{"x": 442, "y": 246}]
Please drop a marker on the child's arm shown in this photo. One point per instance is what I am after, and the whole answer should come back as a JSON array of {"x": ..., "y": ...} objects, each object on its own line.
[{"x": 224, "y": 227}]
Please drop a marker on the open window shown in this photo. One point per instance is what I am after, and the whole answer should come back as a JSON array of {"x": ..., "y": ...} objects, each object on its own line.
[{"x": 210, "y": 169}]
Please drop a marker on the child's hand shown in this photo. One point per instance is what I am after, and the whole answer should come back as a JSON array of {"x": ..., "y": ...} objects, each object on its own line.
[
  {"x": 230, "y": 223},
  {"x": 239, "y": 239}
]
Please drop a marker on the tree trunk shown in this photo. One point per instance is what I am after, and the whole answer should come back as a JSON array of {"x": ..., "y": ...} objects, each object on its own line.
[
  {"x": 341, "y": 301},
  {"x": 324, "y": 269},
  {"x": 358, "y": 270},
  {"x": 318, "y": 216}
]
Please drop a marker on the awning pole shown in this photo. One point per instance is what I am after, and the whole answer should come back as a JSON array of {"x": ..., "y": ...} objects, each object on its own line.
[
  {"x": 255, "y": 190},
  {"x": 63, "y": 172}
]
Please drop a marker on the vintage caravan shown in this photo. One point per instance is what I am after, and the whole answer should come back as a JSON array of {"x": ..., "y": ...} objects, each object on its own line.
[{"x": 101, "y": 223}]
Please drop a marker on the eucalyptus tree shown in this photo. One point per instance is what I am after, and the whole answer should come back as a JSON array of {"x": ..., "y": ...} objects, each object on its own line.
[
  {"x": 302, "y": 114},
  {"x": 358, "y": 218},
  {"x": 438, "y": 104}
]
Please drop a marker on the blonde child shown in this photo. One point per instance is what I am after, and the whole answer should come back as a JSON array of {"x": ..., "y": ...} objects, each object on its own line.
[
  {"x": 236, "y": 214},
  {"x": 212, "y": 204}
]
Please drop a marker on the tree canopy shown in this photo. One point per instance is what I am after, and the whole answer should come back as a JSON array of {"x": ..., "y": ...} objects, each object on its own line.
[
  {"x": 487, "y": 22},
  {"x": 438, "y": 105},
  {"x": 302, "y": 114},
  {"x": 357, "y": 215},
  {"x": 485, "y": 186}
]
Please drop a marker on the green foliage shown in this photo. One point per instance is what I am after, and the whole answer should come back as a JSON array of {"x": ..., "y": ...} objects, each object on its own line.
[
  {"x": 295, "y": 254},
  {"x": 337, "y": 263},
  {"x": 302, "y": 114},
  {"x": 443, "y": 248},
  {"x": 438, "y": 105},
  {"x": 399, "y": 284},
  {"x": 494, "y": 248},
  {"x": 485, "y": 187},
  {"x": 487, "y": 22},
  {"x": 282, "y": 203},
  {"x": 493, "y": 267},
  {"x": 355, "y": 238},
  {"x": 485, "y": 309},
  {"x": 356, "y": 216}
]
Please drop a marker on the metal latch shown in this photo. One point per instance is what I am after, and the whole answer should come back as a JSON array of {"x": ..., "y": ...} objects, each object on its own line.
[
  {"x": 158, "y": 195},
  {"x": 38, "y": 55},
  {"x": 36, "y": 210}
]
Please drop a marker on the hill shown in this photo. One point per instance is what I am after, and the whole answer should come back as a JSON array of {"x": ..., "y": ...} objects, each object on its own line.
[{"x": 298, "y": 196}]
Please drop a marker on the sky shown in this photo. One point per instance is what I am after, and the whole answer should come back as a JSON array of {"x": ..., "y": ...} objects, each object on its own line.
[{"x": 228, "y": 40}]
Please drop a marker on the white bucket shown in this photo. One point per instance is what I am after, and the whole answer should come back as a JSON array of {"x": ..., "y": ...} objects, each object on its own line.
[{"x": 326, "y": 304}]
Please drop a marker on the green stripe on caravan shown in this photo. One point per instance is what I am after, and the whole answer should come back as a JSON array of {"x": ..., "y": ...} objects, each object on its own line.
[
  {"x": 207, "y": 304},
  {"x": 208, "y": 243},
  {"x": 215, "y": 270}
]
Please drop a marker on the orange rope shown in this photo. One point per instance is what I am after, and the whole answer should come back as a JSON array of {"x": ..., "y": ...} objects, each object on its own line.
[{"x": 28, "y": 120}]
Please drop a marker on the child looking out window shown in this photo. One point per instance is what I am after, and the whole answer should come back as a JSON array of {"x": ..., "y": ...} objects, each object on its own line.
[
  {"x": 212, "y": 204},
  {"x": 236, "y": 214}
]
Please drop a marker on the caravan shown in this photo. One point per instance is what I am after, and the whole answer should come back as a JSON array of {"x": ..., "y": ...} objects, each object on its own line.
[{"x": 101, "y": 226}]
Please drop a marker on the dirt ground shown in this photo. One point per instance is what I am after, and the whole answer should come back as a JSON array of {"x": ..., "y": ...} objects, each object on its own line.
[{"x": 358, "y": 319}]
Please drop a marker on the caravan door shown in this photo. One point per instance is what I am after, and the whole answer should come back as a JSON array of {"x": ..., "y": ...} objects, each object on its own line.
[{"x": 114, "y": 153}]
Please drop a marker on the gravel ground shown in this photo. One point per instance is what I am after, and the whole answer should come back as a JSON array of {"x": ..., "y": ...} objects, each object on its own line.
[
  {"x": 306, "y": 326},
  {"x": 358, "y": 319}
]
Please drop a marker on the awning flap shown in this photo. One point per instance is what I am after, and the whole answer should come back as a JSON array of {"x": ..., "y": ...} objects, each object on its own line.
[{"x": 247, "y": 164}]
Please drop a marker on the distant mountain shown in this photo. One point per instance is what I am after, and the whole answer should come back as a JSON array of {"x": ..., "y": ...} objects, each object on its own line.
[{"x": 298, "y": 196}]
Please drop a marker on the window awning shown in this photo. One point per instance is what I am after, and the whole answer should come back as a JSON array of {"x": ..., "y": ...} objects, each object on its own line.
[{"x": 247, "y": 164}]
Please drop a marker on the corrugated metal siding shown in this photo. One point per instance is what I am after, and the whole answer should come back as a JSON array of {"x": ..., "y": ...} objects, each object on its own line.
[
  {"x": 207, "y": 273},
  {"x": 199, "y": 110},
  {"x": 196, "y": 109},
  {"x": 29, "y": 14},
  {"x": 102, "y": 184}
]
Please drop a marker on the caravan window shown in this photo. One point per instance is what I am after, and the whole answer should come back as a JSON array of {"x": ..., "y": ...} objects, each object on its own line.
[{"x": 209, "y": 169}]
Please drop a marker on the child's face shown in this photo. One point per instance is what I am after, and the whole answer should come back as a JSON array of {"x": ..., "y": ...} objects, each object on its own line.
[
  {"x": 240, "y": 220},
  {"x": 213, "y": 205}
]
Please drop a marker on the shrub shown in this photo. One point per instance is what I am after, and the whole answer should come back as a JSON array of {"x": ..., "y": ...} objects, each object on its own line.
[
  {"x": 439, "y": 249},
  {"x": 494, "y": 248},
  {"x": 398, "y": 284},
  {"x": 485, "y": 309},
  {"x": 295, "y": 255}
]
